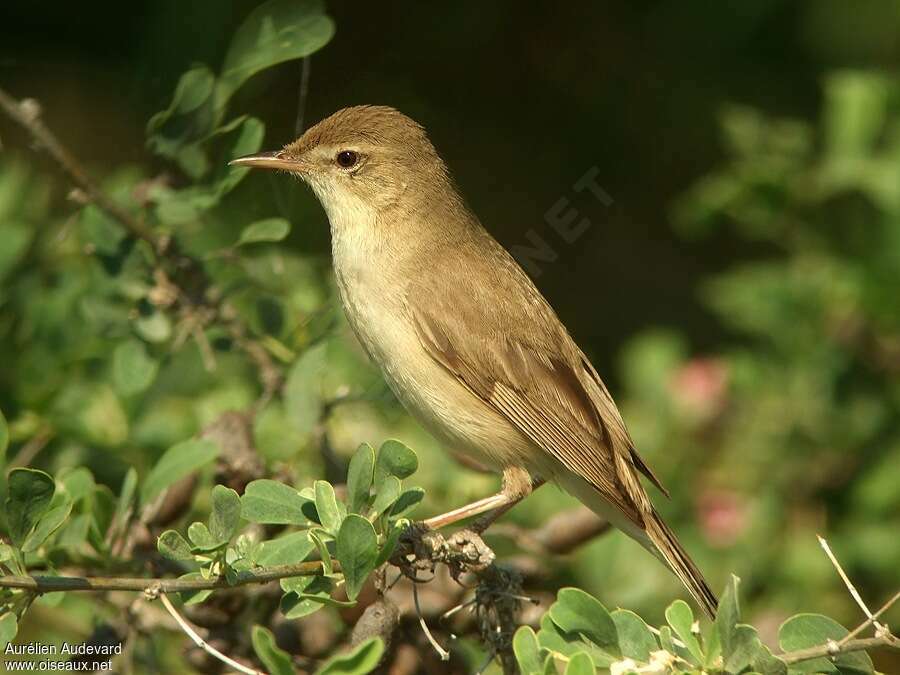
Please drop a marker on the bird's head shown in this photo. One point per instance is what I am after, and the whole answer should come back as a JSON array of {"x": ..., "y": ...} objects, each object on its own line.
[{"x": 364, "y": 157}]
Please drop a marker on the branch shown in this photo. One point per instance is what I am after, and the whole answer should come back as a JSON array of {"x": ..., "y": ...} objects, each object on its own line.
[
  {"x": 833, "y": 648},
  {"x": 48, "y": 584},
  {"x": 27, "y": 114},
  {"x": 203, "y": 644}
]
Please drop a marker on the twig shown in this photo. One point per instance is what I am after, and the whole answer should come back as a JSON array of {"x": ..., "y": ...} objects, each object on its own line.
[
  {"x": 850, "y": 587},
  {"x": 27, "y": 114},
  {"x": 50, "y": 584},
  {"x": 865, "y": 624},
  {"x": 203, "y": 644},
  {"x": 835, "y": 648},
  {"x": 443, "y": 653}
]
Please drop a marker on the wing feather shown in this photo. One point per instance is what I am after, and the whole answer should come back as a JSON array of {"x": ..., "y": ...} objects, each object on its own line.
[{"x": 539, "y": 380}]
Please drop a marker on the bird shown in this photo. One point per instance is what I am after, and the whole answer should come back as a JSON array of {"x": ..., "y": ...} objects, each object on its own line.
[{"x": 460, "y": 332}]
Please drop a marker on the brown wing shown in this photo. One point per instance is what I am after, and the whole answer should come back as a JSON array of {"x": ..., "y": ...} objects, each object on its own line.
[{"x": 504, "y": 342}]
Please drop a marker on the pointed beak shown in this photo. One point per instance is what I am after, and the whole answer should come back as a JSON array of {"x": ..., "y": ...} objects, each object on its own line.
[{"x": 269, "y": 160}]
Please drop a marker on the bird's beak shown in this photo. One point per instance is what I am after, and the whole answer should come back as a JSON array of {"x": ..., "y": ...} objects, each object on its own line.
[{"x": 270, "y": 160}]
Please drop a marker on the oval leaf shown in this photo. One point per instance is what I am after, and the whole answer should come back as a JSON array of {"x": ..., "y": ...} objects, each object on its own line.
[
  {"x": 173, "y": 546},
  {"x": 359, "y": 478},
  {"x": 395, "y": 459},
  {"x": 8, "y": 628},
  {"x": 811, "y": 630},
  {"x": 578, "y": 612},
  {"x": 681, "y": 619},
  {"x": 276, "y": 660},
  {"x": 407, "y": 501},
  {"x": 580, "y": 664},
  {"x": 29, "y": 494},
  {"x": 291, "y": 548},
  {"x": 357, "y": 551},
  {"x": 132, "y": 369},
  {"x": 359, "y": 661},
  {"x": 388, "y": 493},
  {"x": 327, "y": 506},
  {"x": 728, "y": 615},
  {"x": 226, "y": 513},
  {"x": 272, "y": 503},
  {"x": 274, "y": 32},
  {"x": 635, "y": 639},
  {"x": 527, "y": 651},
  {"x": 47, "y": 525},
  {"x": 270, "y": 229}
]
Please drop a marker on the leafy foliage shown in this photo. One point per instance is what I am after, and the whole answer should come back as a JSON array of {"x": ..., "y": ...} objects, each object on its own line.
[
  {"x": 579, "y": 631},
  {"x": 178, "y": 388}
]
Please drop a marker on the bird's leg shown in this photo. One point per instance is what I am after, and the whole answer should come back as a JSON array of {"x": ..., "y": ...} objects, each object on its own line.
[{"x": 517, "y": 484}]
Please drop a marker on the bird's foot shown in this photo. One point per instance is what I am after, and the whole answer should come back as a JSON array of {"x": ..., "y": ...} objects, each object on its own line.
[{"x": 517, "y": 484}]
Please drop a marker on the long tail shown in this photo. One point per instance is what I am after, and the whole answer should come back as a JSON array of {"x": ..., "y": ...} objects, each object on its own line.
[{"x": 673, "y": 553}]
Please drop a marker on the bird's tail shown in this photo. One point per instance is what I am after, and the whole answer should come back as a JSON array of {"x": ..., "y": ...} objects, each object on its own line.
[{"x": 674, "y": 555}]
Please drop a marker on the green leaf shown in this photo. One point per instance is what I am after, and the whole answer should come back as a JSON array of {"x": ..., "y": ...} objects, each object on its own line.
[
  {"x": 132, "y": 369},
  {"x": 303, "y": 389},
  {"x": 290, "y": 548},
  {"x": 746, "y": 650},
  {"x": 78, "y": 483},
  {"x": 272, "y": 503},
  {"x": 359, "y": 478},
  {"x": 126, "y": 494},
  {"x": 176, "y": 132},
  {"x": 728, "y": 615},
  {"x": 226, "y": 513},
  {"x": 812, "y": 630},
  {"x": 855, "y": 111},
  {"x": 358, "y": 661},
  {"x": 390, "y": 543},
  {"x": 681, "y": 619},
  {"x": 635, "y": 639},
  {"x": 316, "y": 535},
  {"x": 388, "y": 493},
  {"x": 4, "y": 438},
  {"x": 580, "y": 664},
  {"x": 274, "y": 32},
  {"x": 357, "y": 551},
  {"x": 407, "y": 501},
  {"x": 242, "y": 136},
  {"x": 173, "y": 546},
  {"x": 578, "y": 612},
  {"x": 315, "y": 592},
  {"x": 268, "y": 230},
  {"x": 276, "y": 660},
  {"x": 177, "y": 462},
  {"x": 394, "y": 459},
  {"x": 527, "y": 651},
  {"x": 29, "y": 494},
  {"x": 48, "y": 523},
  {"x": 552, "y": 638},
  {"x": 8, "y": 629},
  {"x": 194, "y": 597},
  {"x": 202, "y": 539},
  {"x": 327, "y": 506}
]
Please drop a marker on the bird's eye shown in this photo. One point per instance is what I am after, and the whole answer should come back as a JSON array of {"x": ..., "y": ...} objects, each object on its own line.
[{"x": 347, "y": 159}]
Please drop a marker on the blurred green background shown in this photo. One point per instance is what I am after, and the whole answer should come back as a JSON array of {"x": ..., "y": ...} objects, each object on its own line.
[{"x": 741, "y": 294}]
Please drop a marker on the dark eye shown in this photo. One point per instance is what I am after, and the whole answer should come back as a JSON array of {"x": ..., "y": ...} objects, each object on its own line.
[{"x": 347, "y": 159}]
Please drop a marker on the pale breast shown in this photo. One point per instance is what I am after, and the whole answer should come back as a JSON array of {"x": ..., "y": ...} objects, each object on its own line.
[{"x": 374, "y": 302}]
